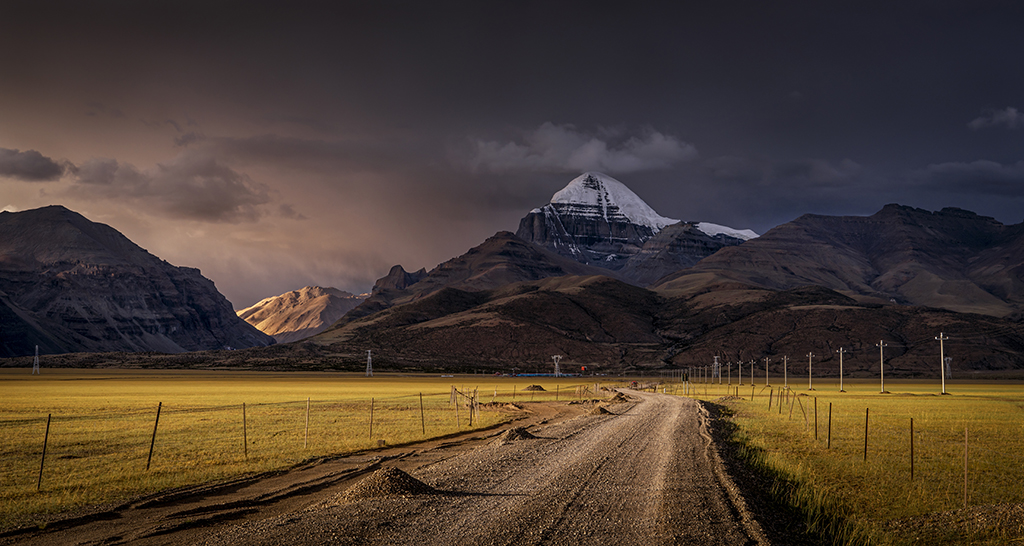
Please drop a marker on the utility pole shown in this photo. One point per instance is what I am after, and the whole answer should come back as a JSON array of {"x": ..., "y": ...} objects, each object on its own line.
[
  {"x": 35, "y": 363},
  {"x": 841, "y": 351},
  {"x": 881, "y": 361},
  {"x": 716, "y": 370},
  {"x": 766, "y": 359},
  {"x": 752, "y": 362},
  {"x": 942, "y": 360},
  {"x": 739, "y": 371},
  {"x": 785, "y": 372},
  {"x": 810, "y": 379},
  {"x": 369, "y": 364},
  {"x": 730, "y": 373}
]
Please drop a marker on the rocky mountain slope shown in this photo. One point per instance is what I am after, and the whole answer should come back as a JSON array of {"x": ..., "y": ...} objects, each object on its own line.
[
  {"x": 501, "y": 260},
  {"x": 68, "y": 284},
  {"x": 610, "y": 326},
  {"x": 951, "y": 259},
  {"x": 599, "y": 221},
  {"x": 813, "y": 285},
  {"x": 299, "y": 314}
]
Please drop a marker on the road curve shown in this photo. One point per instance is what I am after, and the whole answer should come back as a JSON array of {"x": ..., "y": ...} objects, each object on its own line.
[{"x": 646, "y": 474}]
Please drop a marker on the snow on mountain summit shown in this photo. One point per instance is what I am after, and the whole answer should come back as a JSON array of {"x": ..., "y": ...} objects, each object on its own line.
[
  {"x": 595, "y": 193},
  {"x": 715, "y": 229}
]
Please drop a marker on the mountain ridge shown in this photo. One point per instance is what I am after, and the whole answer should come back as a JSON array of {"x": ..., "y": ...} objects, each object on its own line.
[
  {"x": 952, "y": 259},
  {"x": 299, "y": 314},
  {"x": 70, "y": 284}
]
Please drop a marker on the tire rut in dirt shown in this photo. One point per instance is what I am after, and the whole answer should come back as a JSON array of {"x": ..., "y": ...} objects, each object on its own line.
[{"x": 642, "y": 476}]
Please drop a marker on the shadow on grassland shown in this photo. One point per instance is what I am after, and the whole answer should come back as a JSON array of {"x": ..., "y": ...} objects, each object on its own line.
[{"x": 785, "y": 513}]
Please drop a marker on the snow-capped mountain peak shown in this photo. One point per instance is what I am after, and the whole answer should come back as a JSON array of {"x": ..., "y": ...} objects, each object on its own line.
[
  {"x": 715, "y": 229},
  {"x": 597, "y": 220},
  {"x": 595, "y": 193}
]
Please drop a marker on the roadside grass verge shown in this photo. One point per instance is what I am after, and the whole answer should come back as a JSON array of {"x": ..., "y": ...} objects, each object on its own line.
[{"x": 874, "y": 500}]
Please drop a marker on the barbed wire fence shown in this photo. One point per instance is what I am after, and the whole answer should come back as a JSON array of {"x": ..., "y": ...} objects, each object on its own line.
[
  {"x": 910, "y": 448},
  {"x": 65, "y": 450}
]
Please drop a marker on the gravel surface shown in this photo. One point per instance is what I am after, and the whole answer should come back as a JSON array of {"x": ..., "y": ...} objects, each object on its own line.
[
  {"x": 646, "y": 472},
  {"x": 643, "y": 474}
]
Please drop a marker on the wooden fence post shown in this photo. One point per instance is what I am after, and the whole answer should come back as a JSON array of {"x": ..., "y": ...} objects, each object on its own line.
[
  {"x": 867, "y": 413},
  {"x": 829, "y": 444},
  {"x": 42, "y": 461},
  {"x": 911, "y": 449},
  {"x": 245, "y": 434},
  {"x": 815, "y": 417},
  {"x": 153, "y": 441},
  {"x": 965, "y": 466},
  {"x": 771, "y": 392}
]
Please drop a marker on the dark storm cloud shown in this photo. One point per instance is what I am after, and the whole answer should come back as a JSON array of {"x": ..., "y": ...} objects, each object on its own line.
[
  {"x": 190, "y": 137},
  {"x": 100, "y": 109},
  {"x": 315, "y": 154},
  {"x": 288, "y": 211},
  {"x": 1009, "y": 116},
  {"x": 976, "y": 177},
  {"x": 432, "y": 125},
  {"x": 804, "y": 173},
  {"x": 191, "y": 186},
  {"x": 564, "y": 148},
  {"x": 29, "y": 166}
]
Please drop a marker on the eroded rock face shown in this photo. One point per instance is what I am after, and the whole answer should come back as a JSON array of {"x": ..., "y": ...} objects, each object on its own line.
[
  {"x": 598, "y": 221},
  {"x": 398, "y": 279},
  {"x": 70, "y": 285},
  {"x": 676, "y": 247},
  {"x": 595, "y": 219}
]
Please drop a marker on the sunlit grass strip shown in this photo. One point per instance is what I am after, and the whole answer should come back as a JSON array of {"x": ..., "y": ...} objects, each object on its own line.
[
  {"x": 854, "y": 498},
  {"x": 103, "y": 422}
]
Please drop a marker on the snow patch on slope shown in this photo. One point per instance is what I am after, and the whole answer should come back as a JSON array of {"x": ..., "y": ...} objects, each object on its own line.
[
  {"x": 612, "y": 198},
  {"x": 715, "y": 229}
]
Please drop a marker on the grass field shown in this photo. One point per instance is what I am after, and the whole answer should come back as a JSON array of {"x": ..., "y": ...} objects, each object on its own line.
[
  {"x": 102, "y": 426},
  {"x": 874, "y": 499}
]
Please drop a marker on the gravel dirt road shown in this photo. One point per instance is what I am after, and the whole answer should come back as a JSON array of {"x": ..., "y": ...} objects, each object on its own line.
[{"x": 645, "y": 472}]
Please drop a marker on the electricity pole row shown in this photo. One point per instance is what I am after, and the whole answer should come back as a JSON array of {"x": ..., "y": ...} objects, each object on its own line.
[{"x": 716, "y": 367}]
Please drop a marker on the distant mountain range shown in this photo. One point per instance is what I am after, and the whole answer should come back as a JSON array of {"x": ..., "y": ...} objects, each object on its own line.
[
  {"x": 599, "y": 277},
  {"x": 300, "y": 313},
  {"x": 951, "y": 259},
  {"x": 595, "y": 275},
  {"x": 71, "y": 285}
]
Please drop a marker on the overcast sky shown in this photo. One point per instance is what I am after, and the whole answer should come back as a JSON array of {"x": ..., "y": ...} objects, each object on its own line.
[{"x": 276, "y": 145}]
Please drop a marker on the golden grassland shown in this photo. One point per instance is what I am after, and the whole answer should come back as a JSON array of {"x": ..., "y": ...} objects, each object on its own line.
[
  {"x": 875, "y": 500},
  {"x": 102, "y": 426}
]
